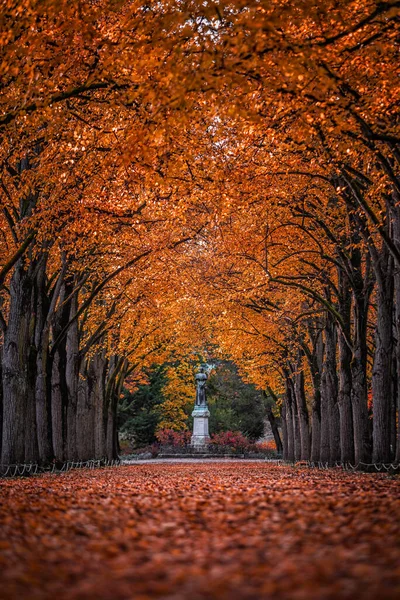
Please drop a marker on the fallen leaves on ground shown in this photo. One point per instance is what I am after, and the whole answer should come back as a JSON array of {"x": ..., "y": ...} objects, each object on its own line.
[{"x": 200, "y": 531}]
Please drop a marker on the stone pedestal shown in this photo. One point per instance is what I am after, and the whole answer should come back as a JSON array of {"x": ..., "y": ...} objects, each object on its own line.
[{"x": 200, "y": 435}]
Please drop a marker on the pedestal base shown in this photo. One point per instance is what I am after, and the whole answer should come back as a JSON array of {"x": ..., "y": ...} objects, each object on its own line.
[{"x": 200, "y": 435}]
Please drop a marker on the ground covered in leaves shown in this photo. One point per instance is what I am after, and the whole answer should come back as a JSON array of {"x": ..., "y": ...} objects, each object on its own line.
[{"x": 200, "y": 531}]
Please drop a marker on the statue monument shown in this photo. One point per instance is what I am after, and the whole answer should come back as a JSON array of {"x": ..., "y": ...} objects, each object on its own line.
[{"x": 200, "y": 413}]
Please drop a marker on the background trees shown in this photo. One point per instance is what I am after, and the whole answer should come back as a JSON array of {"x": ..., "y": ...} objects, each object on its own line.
[{"x": 165, "y": 400}]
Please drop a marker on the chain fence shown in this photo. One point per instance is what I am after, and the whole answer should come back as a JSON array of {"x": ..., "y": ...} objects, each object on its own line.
[
  {"x": 361, "y": 466},
  {"x": 28, "y": 469}
]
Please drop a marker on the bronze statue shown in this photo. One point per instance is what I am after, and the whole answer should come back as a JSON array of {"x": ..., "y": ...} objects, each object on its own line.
[{"x": 201, "y": 378}]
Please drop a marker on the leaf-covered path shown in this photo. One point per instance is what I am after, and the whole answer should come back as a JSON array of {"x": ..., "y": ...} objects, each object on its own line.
[{"x": 200, "y": 531}]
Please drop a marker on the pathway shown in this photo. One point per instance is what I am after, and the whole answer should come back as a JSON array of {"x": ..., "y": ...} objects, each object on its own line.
[{"x": 200, "y": 530}]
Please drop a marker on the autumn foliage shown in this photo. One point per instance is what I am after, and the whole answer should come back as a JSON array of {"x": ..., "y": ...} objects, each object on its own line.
[
  {"x": 176, "y": 439},
  {"x": 201, "y": 531},
  {"x": 184, "y": 177},
  {"x": 230, "y": 440}
]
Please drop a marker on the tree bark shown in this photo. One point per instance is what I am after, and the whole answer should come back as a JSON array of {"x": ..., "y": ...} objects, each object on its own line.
[
  {"x": 381, "y": 373},
  {"x": 19, "y": 441},
  {"x": 274, "y": 428},
  {"x": 72, "y": 378},
  {"x": 302, "y": 423},
  {"x": 359, "y": 392},
  {"x": 284, "y": 432},
  {"x": 316, "y": 371},
  {"x": 42, "y": 384},
  {"x": 325, "y": 418},
  {"x": 1, "y": 397},
  {"x": 345, "y": 383},
  {"x": 330, "y": 425},
  {"x": 396, "y": 238},
  {"x": 95, "y": 415},
  {"x": 289, "y": 414},
  {"x": 59, "y": 388},
  {"x": 397, "y": 350}
]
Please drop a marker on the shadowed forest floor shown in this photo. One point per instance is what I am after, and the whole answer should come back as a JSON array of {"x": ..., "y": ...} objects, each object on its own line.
[{"x": 200, "y": 531}]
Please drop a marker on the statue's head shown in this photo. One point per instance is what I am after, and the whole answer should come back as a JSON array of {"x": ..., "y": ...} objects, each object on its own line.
[{"x": 201, "y": 374}]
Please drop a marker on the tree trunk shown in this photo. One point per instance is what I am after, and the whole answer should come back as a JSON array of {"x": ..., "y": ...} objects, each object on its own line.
[
  {"x": 302, "y": 424},
  {"x": 289, "y": 414},
  {"x": 381, "y": 373},
  {"x": 32, "y": 448},
  {"x": 274, "y": 428},
  {"x": 91, "y": 433},
  {"x": 344, "y": 402},
  {"x": 325, "y": 419},
  {"x": 396, "y": 238},
  {"x": 1, "y": 397},
  {"x": 393, "y": 407},
  {"x": 72, "y": 378},
  {"x": 397, "y": 292},
  {"x": 114, "y": 382},
  {"x": 359, "y": 392},
  {"x": 19, "y": 426},
  {"x": 284, "y": 432},
  {"x": 42, "y": 384},
  {"x": 345, "y": 383},
  {"x": 331, "y": 415},
  {"x": 316, "y": 371},
  {"x": 57, "y": 413}
]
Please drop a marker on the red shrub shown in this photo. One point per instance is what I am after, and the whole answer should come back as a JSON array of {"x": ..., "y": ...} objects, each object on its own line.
[
  {"x": 233, "y": 440},
  {"x": 177, "y": 439}
]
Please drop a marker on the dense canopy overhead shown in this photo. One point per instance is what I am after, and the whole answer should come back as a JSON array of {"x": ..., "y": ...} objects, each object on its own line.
[{"x": 182, "y": 177}]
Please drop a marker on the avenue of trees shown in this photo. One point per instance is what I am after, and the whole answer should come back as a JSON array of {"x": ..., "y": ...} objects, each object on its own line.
[{"x": 177, "y": 176}]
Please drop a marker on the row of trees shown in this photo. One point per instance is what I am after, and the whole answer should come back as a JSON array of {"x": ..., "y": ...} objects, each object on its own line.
[
  {"x": 181, "y": 174},
  {"x": 86, "y": 236},
  {"x": 303, "y": 269}
]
